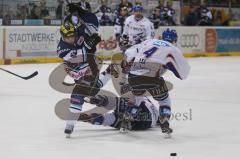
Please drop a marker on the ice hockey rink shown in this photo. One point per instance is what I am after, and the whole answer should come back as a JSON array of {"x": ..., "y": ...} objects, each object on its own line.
[{"x": 208, "y": 101}]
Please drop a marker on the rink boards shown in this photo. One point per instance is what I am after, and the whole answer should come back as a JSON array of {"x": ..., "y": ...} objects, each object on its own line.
[{"x": 38, "y": 44}]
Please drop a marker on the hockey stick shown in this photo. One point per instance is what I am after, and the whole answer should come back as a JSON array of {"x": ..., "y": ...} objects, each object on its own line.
[
  {"x": 22, "y": 77},
  {"x": 104, "y": 63},
  {"x": 68, "y": 84}
]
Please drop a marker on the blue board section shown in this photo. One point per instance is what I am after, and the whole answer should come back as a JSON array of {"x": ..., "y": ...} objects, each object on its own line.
[
  {"x": 228, "y": 40},
  {"x": 33, "y": 22}
]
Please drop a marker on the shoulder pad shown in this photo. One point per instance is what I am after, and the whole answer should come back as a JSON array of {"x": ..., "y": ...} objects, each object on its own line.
[{"x": 63, "y": 48}]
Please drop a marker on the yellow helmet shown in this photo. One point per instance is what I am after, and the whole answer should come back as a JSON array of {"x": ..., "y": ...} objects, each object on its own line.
[{"x": 67, "y": 30}]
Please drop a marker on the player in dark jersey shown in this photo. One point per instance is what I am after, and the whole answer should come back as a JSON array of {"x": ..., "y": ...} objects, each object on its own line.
[
  {"x": 119, "y": 22},
  {"x": 77, "y": 48}
]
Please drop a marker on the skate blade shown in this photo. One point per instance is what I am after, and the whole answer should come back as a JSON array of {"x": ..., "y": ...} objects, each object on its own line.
[
  {"x": 123, "y": 131},
  {"x": 68, "y": 136},
  {"x": 167, "y": 136}
]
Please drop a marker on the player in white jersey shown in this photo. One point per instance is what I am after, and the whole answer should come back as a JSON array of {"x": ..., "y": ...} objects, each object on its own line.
[
  {"x": 148, "y": 60},
  {"x": 142, "y": 115},
  {"x": 138, "y": 28}
]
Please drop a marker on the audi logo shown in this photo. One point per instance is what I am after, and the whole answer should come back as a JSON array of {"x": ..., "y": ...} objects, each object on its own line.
[{"x": 189, "y": 40}]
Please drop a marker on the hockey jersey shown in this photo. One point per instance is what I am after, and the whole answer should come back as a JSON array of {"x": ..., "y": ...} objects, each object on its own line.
[
  {"x": 138, "y": 30},
  {"x": 75, "y": 56},
  {"x": 155, "y": 55},
  {"x": 119, "y": 24},
  {"x": 68, "y": 52}
]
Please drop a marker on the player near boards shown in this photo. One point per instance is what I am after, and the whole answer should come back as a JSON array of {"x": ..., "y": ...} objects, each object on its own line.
[
  {"x": 77, "y": 48},
  {"x": 137, "y": 29},
  {"x": 119, "y": 22},
  {"x": 147, "y": 62}
]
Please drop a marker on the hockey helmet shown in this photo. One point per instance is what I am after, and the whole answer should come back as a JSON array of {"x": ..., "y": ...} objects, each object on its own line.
[
  {"x": 76, "y": 6},
  {"x": 138, "y": 8},
  {"x": 67, "y": 30},
  {"x": 170, "y": 35}
]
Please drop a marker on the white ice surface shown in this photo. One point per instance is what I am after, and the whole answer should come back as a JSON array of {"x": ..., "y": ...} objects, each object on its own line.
[{"x": 29, "y": 128}]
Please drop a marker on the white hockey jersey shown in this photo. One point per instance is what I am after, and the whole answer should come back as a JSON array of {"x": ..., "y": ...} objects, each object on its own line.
[
  {"x": 153, "y": 56},
  {"x": 138, "y": 30}
]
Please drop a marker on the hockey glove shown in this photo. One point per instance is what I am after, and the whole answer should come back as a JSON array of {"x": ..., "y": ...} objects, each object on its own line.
[
  {"x": 124, "y": 42},
  {"x": 75, "y": 8}
]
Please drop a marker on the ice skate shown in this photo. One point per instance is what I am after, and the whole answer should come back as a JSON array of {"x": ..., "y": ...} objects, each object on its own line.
[{"x": 69, "y": 129}]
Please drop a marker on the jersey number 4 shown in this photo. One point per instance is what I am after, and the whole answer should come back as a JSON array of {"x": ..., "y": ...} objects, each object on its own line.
[{"x": 150, "y": 52}]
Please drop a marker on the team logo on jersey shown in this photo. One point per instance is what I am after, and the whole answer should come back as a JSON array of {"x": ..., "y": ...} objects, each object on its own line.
[
  {"x": 60, "y": 51},
  {"x": 77, "y": 74},
  {"x": 161, "y": 43}
]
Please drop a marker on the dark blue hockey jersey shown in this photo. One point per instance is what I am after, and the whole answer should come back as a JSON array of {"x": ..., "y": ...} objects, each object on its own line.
[
  {"x": 77, "y": 63},
  {"x": 77, "y": 53}
]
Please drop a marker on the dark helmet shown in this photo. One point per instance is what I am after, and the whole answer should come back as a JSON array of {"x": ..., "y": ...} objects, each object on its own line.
[{"x": 79, "y": 7}]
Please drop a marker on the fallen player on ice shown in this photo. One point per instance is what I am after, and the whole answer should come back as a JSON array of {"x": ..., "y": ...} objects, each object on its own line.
[{"x": 128, "y": 115}]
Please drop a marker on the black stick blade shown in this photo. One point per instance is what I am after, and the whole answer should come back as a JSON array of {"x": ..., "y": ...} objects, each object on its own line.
[
  {"x": 68, "y": 84},
  {"x": 31, "y": 76}
]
